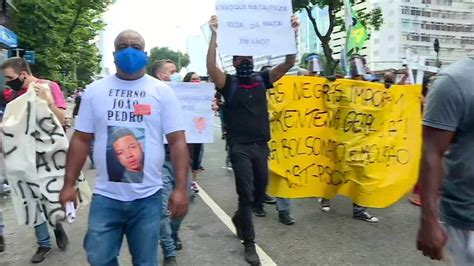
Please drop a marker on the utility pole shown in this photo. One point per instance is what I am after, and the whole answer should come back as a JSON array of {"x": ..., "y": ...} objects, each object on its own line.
[{"x": 437, "y": 48}]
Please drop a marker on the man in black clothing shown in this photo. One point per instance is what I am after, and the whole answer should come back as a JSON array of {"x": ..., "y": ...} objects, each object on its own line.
[{"x": 246, "y": 118}]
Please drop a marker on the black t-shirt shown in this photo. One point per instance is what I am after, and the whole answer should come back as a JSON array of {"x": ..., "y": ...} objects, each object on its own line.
[{"x": 245, "y": 108}]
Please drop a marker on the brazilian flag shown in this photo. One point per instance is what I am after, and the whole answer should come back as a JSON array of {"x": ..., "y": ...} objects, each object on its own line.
[{"x": 357, "y": 33}]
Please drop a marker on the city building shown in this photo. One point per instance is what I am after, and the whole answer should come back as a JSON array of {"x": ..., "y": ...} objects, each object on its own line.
[
  {"x": 409, "y": 30},
  {"x": 411, "y": 27}
]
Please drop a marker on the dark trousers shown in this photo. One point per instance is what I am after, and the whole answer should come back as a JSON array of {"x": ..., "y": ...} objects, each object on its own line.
[
  {"x": 250, "y": 165},
  {"x": 197, "y": 150}
]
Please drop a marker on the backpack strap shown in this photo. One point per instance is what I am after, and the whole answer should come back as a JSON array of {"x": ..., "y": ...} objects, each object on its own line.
[
  {"x": 259, "y": 78},
  {"x": 234, "y": 84}
]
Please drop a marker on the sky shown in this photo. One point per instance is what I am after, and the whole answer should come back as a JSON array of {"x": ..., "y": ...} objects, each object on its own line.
[{"x": 161, "y": 22}]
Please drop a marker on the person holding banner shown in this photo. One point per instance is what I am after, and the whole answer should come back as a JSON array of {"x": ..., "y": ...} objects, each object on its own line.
[
  {"x": 247, "y": 121},
  {"x": 18, "y": 77},
  {"x": 197, "y": 149},
  {"x": 107, "y": 115},
  {"x": 448, "y": 166},
  {"x": 359, "y": 71}
]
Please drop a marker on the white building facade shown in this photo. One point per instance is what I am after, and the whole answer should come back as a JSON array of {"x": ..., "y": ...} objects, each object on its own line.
[{"x": 411, "y": 27}]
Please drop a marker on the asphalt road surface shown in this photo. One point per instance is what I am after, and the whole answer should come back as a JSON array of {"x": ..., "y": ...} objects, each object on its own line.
[{"x": 316, "y": 238}]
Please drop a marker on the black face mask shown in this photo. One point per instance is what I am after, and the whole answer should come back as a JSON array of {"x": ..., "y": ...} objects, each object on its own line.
[
  {"x": 15, "y": 84},
  {"x": 245, "y": 69}
]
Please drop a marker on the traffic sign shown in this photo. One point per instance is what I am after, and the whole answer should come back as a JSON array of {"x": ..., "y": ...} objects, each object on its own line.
[{"x": 30, "y": 56}]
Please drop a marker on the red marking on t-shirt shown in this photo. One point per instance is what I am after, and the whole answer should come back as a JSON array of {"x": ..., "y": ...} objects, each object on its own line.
[{"x": 250, "y": 86}]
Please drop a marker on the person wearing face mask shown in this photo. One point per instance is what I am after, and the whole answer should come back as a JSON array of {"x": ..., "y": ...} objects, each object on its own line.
[
  {"x": 18, "y": 77},
  {"x": 166, "y": 70},
  {"x": 248, "y": 132},
  {"x": 119, "y": 207}
]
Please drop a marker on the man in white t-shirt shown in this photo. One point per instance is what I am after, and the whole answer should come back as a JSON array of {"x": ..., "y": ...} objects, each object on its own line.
[{"x": 128, "y": 114}]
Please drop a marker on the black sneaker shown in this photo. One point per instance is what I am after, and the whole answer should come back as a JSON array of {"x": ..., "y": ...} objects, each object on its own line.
[
  {"x": 251, "y": 255},
  {"x": 259, "y": 212},
  {"x": 40, "y": 255},
  {"x": 285, "y": 218},
  {"x": 238, "y": 228},
  {"x": 177, "y": 243},
  {"x": 2, "y": 243},
  {"x": 366, "y": 217},
  {"x": 325, "y": 205},
  {"x": 169, "y": 261},
  {"x": 269, "y": 199},
  {"x": 61, "y": 238}
]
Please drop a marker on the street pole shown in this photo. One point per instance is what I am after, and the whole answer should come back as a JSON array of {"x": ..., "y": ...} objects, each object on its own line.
[{"x": 437, "y": 49}]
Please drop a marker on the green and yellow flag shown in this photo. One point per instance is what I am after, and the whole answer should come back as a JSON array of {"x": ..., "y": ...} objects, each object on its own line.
[{"x": 357, "y": 33}]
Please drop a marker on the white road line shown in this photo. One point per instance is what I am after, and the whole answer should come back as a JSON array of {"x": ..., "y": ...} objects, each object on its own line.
[
  {"x": 265, "y": 260},
  {"x": 216, "y": 125}
]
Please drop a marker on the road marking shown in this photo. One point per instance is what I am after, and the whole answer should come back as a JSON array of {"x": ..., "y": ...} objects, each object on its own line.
[
  {"x": 216, "y": 125},
  {"x": 265, "y": 260}
]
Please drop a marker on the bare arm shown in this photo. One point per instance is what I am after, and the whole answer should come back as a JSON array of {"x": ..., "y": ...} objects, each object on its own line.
[
  {"x": 58, "y": 112},
  {"x": 179, "y": 199},
  {"x": 76, "y": 156},
  {"x": 217, "y": 75},
  {"x": 435, "y": 143},
  {"x": 280, "y": 70},
  {"x": 432, "y": 237},
  {"x": 45, "y": 94}
]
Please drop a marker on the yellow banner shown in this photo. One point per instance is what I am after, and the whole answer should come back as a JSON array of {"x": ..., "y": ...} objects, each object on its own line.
[{"x": 351, "y": 138}]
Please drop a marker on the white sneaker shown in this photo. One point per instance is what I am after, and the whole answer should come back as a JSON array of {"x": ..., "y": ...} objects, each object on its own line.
[
  {"x": 195, "y": 187},
  {"x": 6, "y": 188},
  {"x": 325, "y": 207},
  {"x": 366, "y": 217}
]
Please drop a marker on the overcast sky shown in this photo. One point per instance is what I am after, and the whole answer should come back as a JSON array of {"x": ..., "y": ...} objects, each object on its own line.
[{"x": 161, "y": 22}]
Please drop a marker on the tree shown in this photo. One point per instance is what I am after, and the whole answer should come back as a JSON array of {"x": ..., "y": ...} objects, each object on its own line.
[
  {"x": 372, "y": 20},
  {"x": 62, "y": 34},
  {"x": 157, "y": 53}
]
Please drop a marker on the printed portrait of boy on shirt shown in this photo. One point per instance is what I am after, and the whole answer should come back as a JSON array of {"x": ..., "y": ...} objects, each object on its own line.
[{"x": 125, "y": 154}]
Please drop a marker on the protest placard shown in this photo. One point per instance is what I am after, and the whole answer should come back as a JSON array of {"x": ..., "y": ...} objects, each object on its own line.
[
  {"x": 351, "y": 138},
  {"x": 196, "y": 103},
  {"x": 35, "y": 146},
  {"x": 255, "y": 27}
]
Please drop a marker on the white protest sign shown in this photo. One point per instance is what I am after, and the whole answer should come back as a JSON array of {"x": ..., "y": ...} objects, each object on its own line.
[
  {"x": 255, "y": 27},
  {"x": 34, "y": 146},
  {"x": 196, "y": 103}
]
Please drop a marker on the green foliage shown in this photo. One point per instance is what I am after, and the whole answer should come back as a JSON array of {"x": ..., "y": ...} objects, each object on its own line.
[
  {"x": 373, "y": 20},
  {"x": 62, "y": 34},
  {"x": 157, "y": 53}
]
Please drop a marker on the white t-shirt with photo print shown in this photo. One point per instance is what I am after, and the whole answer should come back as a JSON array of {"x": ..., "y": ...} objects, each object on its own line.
[{"x": 129, "y": 120}]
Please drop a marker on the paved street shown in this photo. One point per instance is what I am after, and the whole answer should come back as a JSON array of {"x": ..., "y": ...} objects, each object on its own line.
[{"x": 315, "y": 239}]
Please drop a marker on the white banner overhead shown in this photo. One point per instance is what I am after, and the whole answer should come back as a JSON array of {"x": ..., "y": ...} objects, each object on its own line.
[{"x": 255, "y": 27}]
